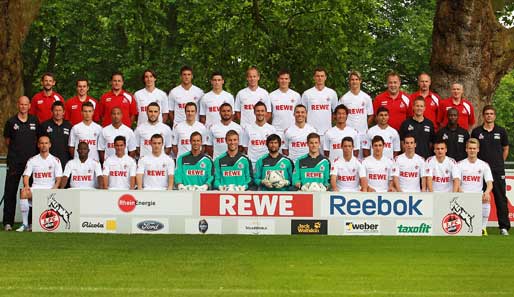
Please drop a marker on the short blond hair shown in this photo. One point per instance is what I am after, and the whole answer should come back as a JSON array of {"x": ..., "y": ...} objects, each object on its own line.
[{"x": 473, "y": 141}]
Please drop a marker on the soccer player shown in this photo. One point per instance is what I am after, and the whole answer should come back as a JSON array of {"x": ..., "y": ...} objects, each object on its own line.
[
  {"x": 454, "y": 136},
  {"x": 109, "y": 133},
  {"x": 320, "y": 101},
  {"x": 273, "y": 171},
  {"x": 73, "y": 106},
  {"x": 442, "y": 171},
  {"x": 145, "y": 131},
  {"x": 389, "y": 135},
  {"x": 255, "y": 135},
  {"x": 431, "y": 99},
  {"x": 473, "y": 174},
  {"x": 248, "y": 97},
  {"x": 58, "y": 130},
  {"x": 46, "y": 172},
  {"x": 85, "y": 173},
  {"x": 41, "y": 103},
  {"x": 360, "y": 106},
  {"x": 312, "y": 168},
  {"x": 410, "y": 168},
  {"x": 180, "y": 95},
  {"x": 420, "y": 127},
  {"x": 20, "y": 134},
  {"x": 155, "y": 171},
  {"x": 195, "y": 170},
  {"x": 396, "y": 101},
  {"x": 150, "y": 94},
  {"x": 347, "y": 174},
  {"x": 283, "y": 101},
  {"x": 117, "y": 97},
  {"x": 379, "y": 168},
  {"x": 119, "y": 171},
  {"x": 295, "y": 137},
  {"x": 334, "y": 135},
  {"x": 216, "y": 135},
  {"x": 211, "y": 102},
  {"x": 183, "y": 130},
  {"x": 494, "y": 143},
  {"x": 233, "y": 170},
  {"x": 463, "y": 106},
  {"x": 85, "y": 131}
]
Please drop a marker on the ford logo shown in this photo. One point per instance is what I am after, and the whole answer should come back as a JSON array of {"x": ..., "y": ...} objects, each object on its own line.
[{"x": 150, "y": 226}]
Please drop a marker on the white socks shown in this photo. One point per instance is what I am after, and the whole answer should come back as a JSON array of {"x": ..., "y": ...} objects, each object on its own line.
[
  {"x": 486, "y": 209},
  {"x": 25, "y": 208}
]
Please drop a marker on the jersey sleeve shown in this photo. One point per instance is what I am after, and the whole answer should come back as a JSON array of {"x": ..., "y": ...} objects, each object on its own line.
[
  {"x": 73, "y": 137},
  {"x": 209, "y": 139},
  {"x": 396, "y": 142},
  {"x": 137, "y": 137},
  {"x": 57, "y": 168},
  {"x": 8, "y": 129},
  {"x": 98, "y": 169},
  {"x": 326, "y": 174},
  {"x": 367, "y": 143},
  {"x": 455, "y": 170},
  {"x": 326, "y": 141},
  {"x": 245, "y": 138},
  {"x": 296, "y": 172},
  {"x": 237, "y": 103},
  {"x": 210, "y": 173},
  {"x": 369, "y": 106},
  {"x": 28, "y": 168},
  {"x": 171, "y": 101},
  {"x": 357, "y": 141},
  {"x": 471, "y": 119},
  {"x": 179, "y": 178},
  {"x": 105, "y": 170},
  {"x": 258, "y": 172},
  {"x": 504, "y": 137},
  {"x": 423, "y": 169},
  {"x": 171, "y": 167},
  {"x": 333, "y": 169},
  {"x": 141, "y": 166},
  {"x": 394, "y": 169},
  {"x": 164, "y": 104},
  {"x": 131, "y": 141},
  {"x": 333, "y": 100},
  {"x": 102, "y": 143},
  {"x": 133, "y": 168},
  {"x": 361, "y": 170},
  {"x": 202, "y": 107},
  {"x": 248, "y": 173},
  {"x": 267, "y": 101},
  {"x": 67, "y": 169},
  {"x": 217, "y": 174},
  {"x": 488, "y": 175},
  {"x": 428, "y": 169},
  {"x": 133, "y": 106},
  {"x": 174, "y": 137}
]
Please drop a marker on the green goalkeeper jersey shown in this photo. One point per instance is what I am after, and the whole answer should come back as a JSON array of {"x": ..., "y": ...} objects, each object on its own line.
[
  {"x": 235, "y": 171},
  {"x": 281, "y": 164},
  {"x": 194, "y": 170},
  {"x": 308, "y": 170}
]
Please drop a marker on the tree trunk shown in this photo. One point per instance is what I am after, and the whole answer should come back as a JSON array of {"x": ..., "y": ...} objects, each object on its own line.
[
  {"x": 17, "y": 15},
  {"x": 470, "y": 46}
]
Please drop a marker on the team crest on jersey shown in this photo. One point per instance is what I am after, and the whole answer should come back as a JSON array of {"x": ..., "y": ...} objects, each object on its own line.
[
  {"x": 322, "y": 167},
  {"x": 240, "y": 165},
  {"x": 50, "y": 167},
  {"x": 479, "y": 171},
  {"x": 292, "y": 100},
  {"x": 16, "y": 127},
  {"x": 410, "y": 128},
  {"x": 89, "y": 171},
  {"x": 432, "y": 103},
  {"x": 125, "y": 166},
  {"x": 394, "y": 169},
  {"x": 427, "y": 170},
  {"x": 49, "y": 129},
  {"x": 202, "y": 165},
  {"x": 328, "y": 99},
  {"x": 163, "y": 165},
  {"x": 282, "y": 165},
  {"x": 362, "y": 104},
  {"x": 416, "y": 167},
  {"x": 480, "y": 136},
  {"x": 446, "y": 171},
  {"x": 94, "y": 134},
  {"x": 402, "y": 105},
  {"x": 353, "y": 170},
  {"x": 125, "y": 100},
  {"x": 108, "y": 99},
  {"x": 445, "y": 136}
]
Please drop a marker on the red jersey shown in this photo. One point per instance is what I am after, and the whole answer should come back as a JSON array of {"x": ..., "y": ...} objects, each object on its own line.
[
  {"x": 432, "y": 101},
  {"x": 123, "y": 100},
  {"x": 398, "y": 108},
  {"x": 41, "y": 105},
  {"x": 465, "y": 109},
  {"x": 73, "y": 110}
]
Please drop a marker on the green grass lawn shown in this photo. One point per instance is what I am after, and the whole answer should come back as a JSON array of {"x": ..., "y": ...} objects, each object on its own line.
[{"x": 38, "y": 264}]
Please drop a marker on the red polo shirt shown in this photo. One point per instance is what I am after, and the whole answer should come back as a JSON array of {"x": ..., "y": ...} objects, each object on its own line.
[
  {"x": 432, "y": 101},
  {"x": 41, "y": 105},
  {"x": 73, "y": 108},
  {"x": 465, "y": 109},
  {"x": 123, "y": 100},
  {"x": 398, "y": 108}
]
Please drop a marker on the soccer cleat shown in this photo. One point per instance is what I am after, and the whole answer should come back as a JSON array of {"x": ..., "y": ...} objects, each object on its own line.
[
  {"x": 7, "y": 227},
  {"x": 504, "y": 232},
  {"x": 484, "y": 232},
  {"x": 22, "y": 228}
]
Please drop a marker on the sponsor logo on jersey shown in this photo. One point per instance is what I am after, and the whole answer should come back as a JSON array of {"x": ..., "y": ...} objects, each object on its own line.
[{"x": 195, "y": 172}]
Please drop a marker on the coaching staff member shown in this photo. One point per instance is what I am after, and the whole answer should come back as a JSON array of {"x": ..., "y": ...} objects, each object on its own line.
[
  {"x": 58, "y": 130},
  {"x": 494, "y": 149},
  {"x": 20, "y": 133}
]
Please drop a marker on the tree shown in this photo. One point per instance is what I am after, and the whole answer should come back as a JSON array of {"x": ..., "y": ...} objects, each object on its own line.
[{"x": 14, "y": 25}]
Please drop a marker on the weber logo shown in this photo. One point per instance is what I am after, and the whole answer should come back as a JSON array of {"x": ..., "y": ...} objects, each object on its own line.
[
  {"x": 309, "y": 227},
  {"x": 356, "y": 227}
]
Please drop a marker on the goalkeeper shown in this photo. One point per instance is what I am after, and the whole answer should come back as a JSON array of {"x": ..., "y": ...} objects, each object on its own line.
[
  {"x": 233, "y": 170},
  {"x": 312, "y": 171},
  {"x": 273, "y": 171},
  {"x": 195, "y": 170}
]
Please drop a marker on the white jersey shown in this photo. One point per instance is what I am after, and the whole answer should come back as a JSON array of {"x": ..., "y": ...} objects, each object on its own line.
[
  {"x": 182, "y": 132},
  {"x": 320, "y": 105},
  {"x": 178, "y": 97},
  {"x": 210, "y": 106},
  {"x": 348, "y": 174},
  {"x": 119, "y": 171},
  {"x": 359, "y": 107},
  {"x": 43, "y": 171},
  {"x": 295, "y": 140},
  {"x": 144, "y": 97},
  {"x": 473, "y": 175},
  {"x": 83, "y": 175},
  {"x": 390, "y": 136},
  {"x": 155, "y": 171},
  {"x": 245, "y": 101},
  {"x": 86, "y": 133},
  {"x": 216, "y": 137},
  {"x": 254, "y": 138},
  {"x": 409, "y": 172},
  {"x": 282, "y": 108},
  {"x": 144, "y": 134},
  {"x": 106, "y": 139},
  {"x": 442, "y": 173},
  {"x": 333, "y": 138},
  {"x": 378, "y": 172}
]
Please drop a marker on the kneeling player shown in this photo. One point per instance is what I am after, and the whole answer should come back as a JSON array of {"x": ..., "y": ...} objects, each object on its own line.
[
  {"x": 46, "y": 172},
  {"x": 233, "y": 170},
  {"x": 312, "y": 171},
  {"x": 120, "y": 169},
  {"x": 195, "y": 170},
  {"x": 347, "y": 173},
  {"x": 155, "y": 171},
  {"x": 86, "y": 173},
  {"x": 273, "y": 170}
]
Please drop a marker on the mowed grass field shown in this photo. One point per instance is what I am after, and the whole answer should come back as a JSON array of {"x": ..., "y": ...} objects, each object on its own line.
[{"x": 37, "y": 264}]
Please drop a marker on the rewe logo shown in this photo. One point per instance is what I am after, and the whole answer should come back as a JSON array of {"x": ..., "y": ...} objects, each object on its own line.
[{"x": 340, "y": 205}]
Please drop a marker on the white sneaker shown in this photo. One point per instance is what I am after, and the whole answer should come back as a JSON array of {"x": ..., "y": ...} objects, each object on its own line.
[
  {"x": 504, "y": 232},
  {"x": 22, "y": 228},
  {"x": 7, "y": 227}
]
